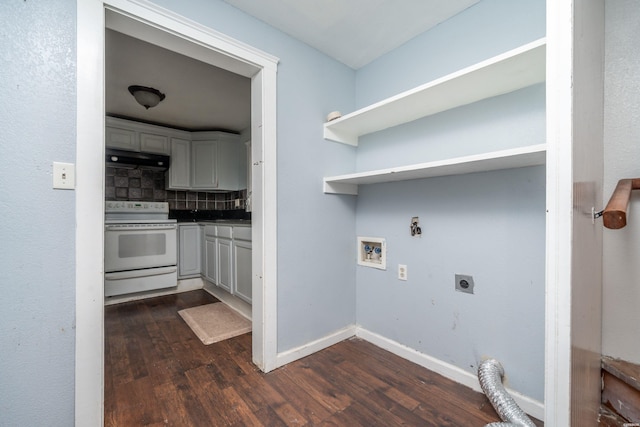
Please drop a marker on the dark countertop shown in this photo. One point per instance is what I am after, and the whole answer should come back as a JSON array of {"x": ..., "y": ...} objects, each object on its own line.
[{"x": 193, "y": 216}]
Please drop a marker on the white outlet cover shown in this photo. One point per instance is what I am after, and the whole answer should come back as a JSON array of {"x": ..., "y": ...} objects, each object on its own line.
[{"x": 402, "y": 272}]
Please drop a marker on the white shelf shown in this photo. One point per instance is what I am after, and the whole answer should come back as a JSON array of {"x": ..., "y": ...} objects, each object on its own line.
[
  {"x": 510, "y": 71},
  {"x": 533, "y": 155}
]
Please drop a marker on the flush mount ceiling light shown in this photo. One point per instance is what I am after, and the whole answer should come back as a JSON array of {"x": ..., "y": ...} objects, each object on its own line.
[{"x": 146, "y": 96}]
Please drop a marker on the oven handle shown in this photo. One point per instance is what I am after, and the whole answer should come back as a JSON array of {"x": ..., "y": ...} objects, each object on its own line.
[
  {"x": 121, "y": 275},
  {"x": 142, "y": 228}
]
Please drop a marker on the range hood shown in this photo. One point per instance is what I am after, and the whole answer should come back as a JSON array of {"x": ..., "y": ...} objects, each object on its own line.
[{"x": 132, "y": 158}]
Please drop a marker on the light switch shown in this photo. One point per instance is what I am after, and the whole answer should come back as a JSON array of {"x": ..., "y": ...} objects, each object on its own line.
[{"x": 64, "y": 176}]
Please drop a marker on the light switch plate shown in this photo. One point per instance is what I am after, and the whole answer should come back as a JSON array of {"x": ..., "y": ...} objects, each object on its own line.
[{"x": 64, "y": 176}]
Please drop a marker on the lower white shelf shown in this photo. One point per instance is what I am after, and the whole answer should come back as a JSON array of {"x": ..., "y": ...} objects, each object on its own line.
[{"x": 533, "y": 155}]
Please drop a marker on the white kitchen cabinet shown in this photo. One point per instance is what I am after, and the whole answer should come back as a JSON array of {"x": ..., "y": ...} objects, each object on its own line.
[
  {"x": 231, "y": 163},
  {"x": 218, "y": 162},
  {"x": 242, "y": 263},
  {"x": 178, "y": 177},
  {"x": 204, "y": 157},
  {"x": 211, "y": 254},
  {"x": 140, "y": 137},
  {"x": 151, "y": 143},
  {"x": 122, "y": 139},
  {"x": 188, "y": 250},
  {"x": 225, "y": 258}
]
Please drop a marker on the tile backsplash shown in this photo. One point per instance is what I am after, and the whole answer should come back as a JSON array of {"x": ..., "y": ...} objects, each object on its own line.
[{"x": 147, "y": 185}]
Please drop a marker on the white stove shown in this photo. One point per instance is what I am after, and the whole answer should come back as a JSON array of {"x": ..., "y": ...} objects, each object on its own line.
[{"x": 140, "y": 247}]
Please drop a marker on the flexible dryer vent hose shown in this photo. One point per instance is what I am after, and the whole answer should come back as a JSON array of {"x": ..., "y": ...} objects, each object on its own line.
[{"x": 490, "y": 373}]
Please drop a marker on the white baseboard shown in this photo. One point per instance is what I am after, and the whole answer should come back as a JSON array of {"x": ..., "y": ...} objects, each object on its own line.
[
  {"x": 314, "y": 346},
  {"x": 527, "y": 404},
  {"x": 184, "y": 285}
]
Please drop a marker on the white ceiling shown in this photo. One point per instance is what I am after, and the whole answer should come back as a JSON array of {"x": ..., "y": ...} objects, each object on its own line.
[
  {"x": 200, "y": 96},
  {"x": 355, "y": 32}
]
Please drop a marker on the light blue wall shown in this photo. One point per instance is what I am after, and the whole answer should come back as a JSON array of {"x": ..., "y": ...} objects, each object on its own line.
[
  {"x": 37, "y": 117},
  {"x": 489, "y": 225},
  {"x": 316, "y": 273},
  {"x": 486, "y": 29}
]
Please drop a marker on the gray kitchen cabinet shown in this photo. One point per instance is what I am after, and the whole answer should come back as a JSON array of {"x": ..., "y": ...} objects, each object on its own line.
[
  {"x": 204, "y": 158},
  {"x": 188, "y": 250},
  {"x": 152, "y": 143},
  {"x": 140, "y": 137},
  {"x": 211, "y": 254},
  {"x": 225, "y": 258},
  {"x": 122, "y": 139},
  {"x": 178, "y": 177},
  {"x": 242, "y": 263}
]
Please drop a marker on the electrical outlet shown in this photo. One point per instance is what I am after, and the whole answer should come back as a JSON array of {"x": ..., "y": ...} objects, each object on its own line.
[
  {"x": 402, "y": 272},
  {"x": 464, "y": 283}
]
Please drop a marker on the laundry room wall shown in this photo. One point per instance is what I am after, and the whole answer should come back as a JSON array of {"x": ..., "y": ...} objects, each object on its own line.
[
  {"x": 489, "y": 225},
  {"x": 316, "y": 248},
  {"x": 37, "y": 255}
]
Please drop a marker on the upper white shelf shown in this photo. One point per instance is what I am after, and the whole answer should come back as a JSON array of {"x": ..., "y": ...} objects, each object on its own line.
[
  {"x": 532, "y": 155},
  {"x": 513, "y": 70}
]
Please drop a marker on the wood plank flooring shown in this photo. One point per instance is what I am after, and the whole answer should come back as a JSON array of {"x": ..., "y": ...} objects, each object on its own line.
[{"x": 157, "y": 373}]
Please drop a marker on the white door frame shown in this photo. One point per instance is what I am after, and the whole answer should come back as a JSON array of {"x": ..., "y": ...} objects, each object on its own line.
[{"x": 147, "y": 21}]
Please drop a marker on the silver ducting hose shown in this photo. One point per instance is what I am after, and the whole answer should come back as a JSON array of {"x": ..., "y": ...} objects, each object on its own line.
[{"x": 490, "y": 373}]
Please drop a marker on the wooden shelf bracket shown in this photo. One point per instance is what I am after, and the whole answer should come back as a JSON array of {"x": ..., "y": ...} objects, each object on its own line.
[{"x": 615, "y": 214}]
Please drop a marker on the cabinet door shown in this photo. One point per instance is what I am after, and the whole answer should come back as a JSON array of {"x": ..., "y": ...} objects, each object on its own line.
[
  {"x": 150, "y": 143},
  {"x": 123, "y": 139},
  {"x": 179, "y": 176},
  {"x": 242, "y": 269},
  {"x": 225, "y": 267},
  {"x": 203, "y": 162},
  {"x": 189, "y": 251},
  {"x": 211, "y": 249},
  {"x": 232, "y": 167}
]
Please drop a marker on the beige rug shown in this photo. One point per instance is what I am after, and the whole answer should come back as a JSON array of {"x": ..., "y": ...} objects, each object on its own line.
[{"x": 215, "y": 322}]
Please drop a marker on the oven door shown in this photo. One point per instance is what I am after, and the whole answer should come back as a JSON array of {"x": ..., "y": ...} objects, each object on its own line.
[{"x": 137, "y": 246}]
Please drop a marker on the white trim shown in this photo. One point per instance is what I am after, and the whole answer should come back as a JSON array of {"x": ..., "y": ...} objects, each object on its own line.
[
  {"x": 150, "y": 21},
  {"x": 559, "y": 225},
  {"x": 89, "y": 305},
  {"x": 315, "y": 346},
  {"x": 527, "y": 404}
]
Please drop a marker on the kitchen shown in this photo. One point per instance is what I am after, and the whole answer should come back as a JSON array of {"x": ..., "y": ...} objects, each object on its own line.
[{"x": 177, "y": 189}]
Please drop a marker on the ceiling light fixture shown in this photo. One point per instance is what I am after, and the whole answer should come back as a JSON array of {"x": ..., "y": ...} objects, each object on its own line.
[{"x": 146, "y": 96}]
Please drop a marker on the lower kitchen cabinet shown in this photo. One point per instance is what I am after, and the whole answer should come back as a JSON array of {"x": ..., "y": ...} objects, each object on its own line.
[
  {"x": 226, "y": 258},
  {"x": 210, "y": 254},
  {"x": 242, "y": 269},
  {"x": 225, "y": 264},
  {"x": 188, "y": 250}
]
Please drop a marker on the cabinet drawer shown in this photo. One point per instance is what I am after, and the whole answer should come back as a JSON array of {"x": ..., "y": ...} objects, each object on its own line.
[
  {"x": 210, "y": 230},
  {"x": 242, "y": 233},
  {"x": 225, "y": 231}
]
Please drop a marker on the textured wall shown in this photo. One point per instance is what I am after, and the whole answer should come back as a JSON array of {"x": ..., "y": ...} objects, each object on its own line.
[
  {"x": 37, "y": 117},
  {"x": 621, "y": 295},
  {"x": 489, "y": 225},
  {"x": 316, "y": 245}
]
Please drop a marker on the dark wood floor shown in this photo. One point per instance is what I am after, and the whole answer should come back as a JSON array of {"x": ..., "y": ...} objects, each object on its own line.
[{"x": 157, "y": 373}]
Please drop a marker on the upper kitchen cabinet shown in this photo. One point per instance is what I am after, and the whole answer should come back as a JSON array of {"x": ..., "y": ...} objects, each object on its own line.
[
  {"x": 217, "y": 161},
  {"x": 178, "y": 177},
  {"x": 134, "y": 136}
]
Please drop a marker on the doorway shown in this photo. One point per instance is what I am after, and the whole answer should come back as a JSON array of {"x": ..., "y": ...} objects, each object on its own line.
[{"x": 158, "y": 26}]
